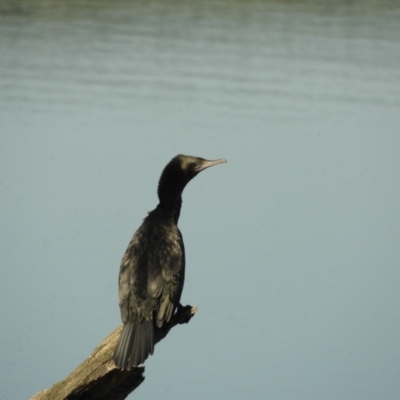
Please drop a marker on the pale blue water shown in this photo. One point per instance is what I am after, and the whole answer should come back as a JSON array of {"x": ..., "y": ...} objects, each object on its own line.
[{"x": 292, "y": 247}]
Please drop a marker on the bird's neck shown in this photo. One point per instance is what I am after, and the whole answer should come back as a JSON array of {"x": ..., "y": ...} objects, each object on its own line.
[
  {"x": 171, "y": 206},
  {"x": 170, "y": 187}
]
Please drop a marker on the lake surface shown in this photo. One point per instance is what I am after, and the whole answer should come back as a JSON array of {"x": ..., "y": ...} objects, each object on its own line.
[{"x": 292, "y": 247}]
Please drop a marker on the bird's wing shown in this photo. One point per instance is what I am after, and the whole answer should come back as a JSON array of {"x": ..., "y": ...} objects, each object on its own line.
[
  {"x": 133, "y": 279},
  {"x": 151, "y": 275},
  {"x": 166, "y": 274}
]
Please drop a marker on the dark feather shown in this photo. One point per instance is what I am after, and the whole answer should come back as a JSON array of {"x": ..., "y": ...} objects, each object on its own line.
[{"x": 152, "y": 270}]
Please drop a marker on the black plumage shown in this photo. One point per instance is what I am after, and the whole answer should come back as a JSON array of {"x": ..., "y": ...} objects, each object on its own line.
[{"x": 152, "y": 270}]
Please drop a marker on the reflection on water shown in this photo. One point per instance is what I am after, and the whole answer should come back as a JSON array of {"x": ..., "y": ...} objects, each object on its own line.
[{"x": 248, "y": 57}]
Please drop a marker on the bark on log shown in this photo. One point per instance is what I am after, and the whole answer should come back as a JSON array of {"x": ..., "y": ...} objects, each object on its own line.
[{"x": 97, "y": 378}]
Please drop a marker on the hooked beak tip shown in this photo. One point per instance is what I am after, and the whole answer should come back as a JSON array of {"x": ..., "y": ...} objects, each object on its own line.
[{"x": 210, "y": 163}]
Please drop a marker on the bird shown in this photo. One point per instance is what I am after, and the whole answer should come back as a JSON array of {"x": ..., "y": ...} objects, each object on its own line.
[{"x": 152, "y": 270}]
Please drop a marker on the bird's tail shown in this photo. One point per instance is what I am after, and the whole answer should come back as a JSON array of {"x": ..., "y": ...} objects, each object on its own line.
[{"x": 135, "y": 344}]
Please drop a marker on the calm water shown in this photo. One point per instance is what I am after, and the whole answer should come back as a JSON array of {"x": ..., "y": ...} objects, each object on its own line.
[{"x": 293, "y": 255}]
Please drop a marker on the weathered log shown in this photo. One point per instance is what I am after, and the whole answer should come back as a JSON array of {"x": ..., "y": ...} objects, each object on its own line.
[{"x": 97, "y": 378}]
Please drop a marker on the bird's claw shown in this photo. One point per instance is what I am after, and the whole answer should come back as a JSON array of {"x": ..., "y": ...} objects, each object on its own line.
[{"x": 184, "y": 314}]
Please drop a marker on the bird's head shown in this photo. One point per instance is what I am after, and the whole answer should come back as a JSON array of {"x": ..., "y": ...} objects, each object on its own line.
[
  {"x": 178, "y": 173},
  {"x": 191, "y": 166}
]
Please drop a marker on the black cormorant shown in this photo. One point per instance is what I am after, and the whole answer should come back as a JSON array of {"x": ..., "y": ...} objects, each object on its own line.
[{"x": 153, "y": 268}]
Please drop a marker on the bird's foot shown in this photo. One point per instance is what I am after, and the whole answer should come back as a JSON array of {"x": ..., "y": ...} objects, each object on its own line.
[
  {"x": 193, "y": 310},
  {"x": 185, "y": 313}
]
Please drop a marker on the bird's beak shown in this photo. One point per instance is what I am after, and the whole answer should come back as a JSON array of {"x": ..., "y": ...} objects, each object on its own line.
[{"x": 209, "y": 163}]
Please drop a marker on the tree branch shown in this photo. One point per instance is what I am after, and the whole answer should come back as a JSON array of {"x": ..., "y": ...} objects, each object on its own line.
[{"x": 97, "y": 378}]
